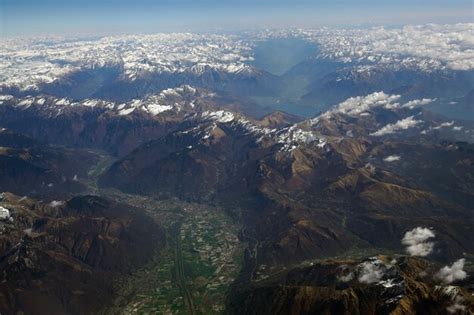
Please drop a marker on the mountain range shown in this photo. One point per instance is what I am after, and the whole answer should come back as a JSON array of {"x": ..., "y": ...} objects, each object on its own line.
[{"x": 164, "y": 173}]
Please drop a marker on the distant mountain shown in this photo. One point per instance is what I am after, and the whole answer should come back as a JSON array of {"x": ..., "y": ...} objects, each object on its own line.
[
  {"x": 335, "y": 87},
  {"x": 314, "y": 68},
  {"x": 107, "y": 83}
]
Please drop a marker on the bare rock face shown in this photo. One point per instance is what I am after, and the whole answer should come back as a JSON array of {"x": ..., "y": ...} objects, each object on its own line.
[{"x": 64, "y": 256}]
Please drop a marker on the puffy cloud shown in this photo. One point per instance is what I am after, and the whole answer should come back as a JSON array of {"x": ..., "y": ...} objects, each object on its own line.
[
  {"x": 56, "y": 203},
  {"x": 346, "y": 278},
  {"x": 402, "y": 124},
  {"x": 392, "y": 158},
  {"x": 450, "y": 274},
  {"x": 416, "y": 103},
  {"x": 346, "y": 274},
  {"x": 458, "y": 301},
  {"x": 357, "y": 105},
  {"x": 417, "y": 242},
  {"x": 371, "y": 271},
  {"x": 4, "y": 213},
  {"x": 457, "y": 306}
]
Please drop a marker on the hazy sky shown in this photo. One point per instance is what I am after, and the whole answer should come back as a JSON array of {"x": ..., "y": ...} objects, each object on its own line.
[{"x": 83, "y": 17}]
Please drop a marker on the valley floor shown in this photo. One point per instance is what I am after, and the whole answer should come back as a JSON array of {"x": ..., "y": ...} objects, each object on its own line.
[{"x": 194, "y": 271}]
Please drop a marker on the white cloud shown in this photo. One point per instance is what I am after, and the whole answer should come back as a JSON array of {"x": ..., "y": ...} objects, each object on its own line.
[
  {"x": 416, "y": 103},
  {"x": 392, "y": 158},
  {"x": 457, "y": 306},
  {"x": 402, "y": 124},
  {"x": 347, "y": 275},
  {"x": 417, "y": 242},
  {"x": 4, "y": 213},
  {"x": 357, "y": 105},
  {"x": 371, "y": 271},
  {"x": 346, "y": 278},
  {"x": 458, "y": 301},
  {"x": 444, "y": 125},
  {"x": 56, "y": 203},
  {"x": 450, "y": 274}
]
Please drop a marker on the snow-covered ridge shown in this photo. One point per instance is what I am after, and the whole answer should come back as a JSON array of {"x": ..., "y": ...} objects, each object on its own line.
[
  {"x": 173, "y": 99},
  {"x": 27, "y": 63},
  {"x": 288, "y": 138}
]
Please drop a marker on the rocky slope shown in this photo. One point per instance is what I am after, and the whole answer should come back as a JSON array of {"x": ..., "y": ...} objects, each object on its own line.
[
  {"x": 112, "y": 126},
  {"x": 29, "y": 167},
  {"x": 379, "y": 285},
  {"x": 64, "y": 255},
  {"x": 320, "y": 187}
]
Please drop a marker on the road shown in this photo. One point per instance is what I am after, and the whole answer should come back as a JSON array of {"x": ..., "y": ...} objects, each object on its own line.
[{"x": 179, "y": 270}]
